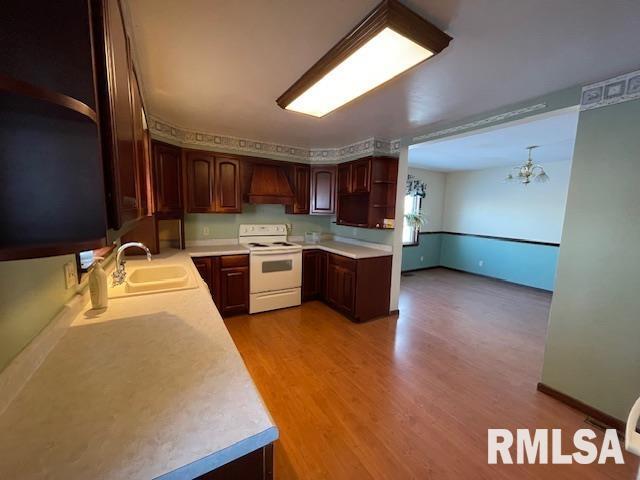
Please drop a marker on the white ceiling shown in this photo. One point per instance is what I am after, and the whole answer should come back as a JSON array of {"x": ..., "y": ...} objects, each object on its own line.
[
  {"x": 218, "y": 66},
  {"x": 504, "y": 145}
]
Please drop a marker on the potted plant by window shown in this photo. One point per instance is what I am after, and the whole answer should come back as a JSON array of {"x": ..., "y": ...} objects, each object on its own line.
[{"x": 415, "y": 220}]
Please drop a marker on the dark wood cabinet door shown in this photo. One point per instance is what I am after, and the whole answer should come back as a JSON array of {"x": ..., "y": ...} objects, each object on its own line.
[
  {"x": 344, "y": 178},
  {"x": 323, "y": 190},
  {"x": 301, "y": 186},
  {"x": 333, "y": 292},
  {"x": 341, "y": 283},
  {"x": 348, "y": 290},
  {"x": 360, "y": 176},
  {"x": 141, "y": 151},
  {"x": 313, "y": 274},
  {"x": 121, "y": 172},
  {"x": 167, "y": 170},
  {"x": 234, "y": 290},
  {"x": 203, "y": 264},
  {"x": 228, "y": 194},
  {"x": 200, "y": 172}
]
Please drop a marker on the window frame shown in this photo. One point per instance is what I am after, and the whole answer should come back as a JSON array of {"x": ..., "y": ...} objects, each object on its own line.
[{"x": 415, "y": 231}]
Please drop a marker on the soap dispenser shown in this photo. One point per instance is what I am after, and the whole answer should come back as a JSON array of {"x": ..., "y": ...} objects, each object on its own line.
[{"x": 98, "y": 284}]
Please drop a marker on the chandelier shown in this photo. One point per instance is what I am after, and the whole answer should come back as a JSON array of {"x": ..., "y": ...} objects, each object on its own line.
[{"x": 529, "y": 171}]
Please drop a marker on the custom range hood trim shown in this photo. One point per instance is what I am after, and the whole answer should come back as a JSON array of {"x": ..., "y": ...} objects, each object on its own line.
[
  {"x": 389, "y": 15},
  {"x": 269, "y": 185}
]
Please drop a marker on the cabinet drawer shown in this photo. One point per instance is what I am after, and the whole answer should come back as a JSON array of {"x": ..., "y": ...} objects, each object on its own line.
[
  {"x": 344, "y": 262},
  {"x": 228, "y": 261}
]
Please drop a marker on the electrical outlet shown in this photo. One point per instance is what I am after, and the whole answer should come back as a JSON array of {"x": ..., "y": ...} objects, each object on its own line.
[
  {"x": 206, "y": 231},
  {"x": 70, "y": 275},
  {"x": 422, "y": 258},
  {"x": 481, "y": 263}
]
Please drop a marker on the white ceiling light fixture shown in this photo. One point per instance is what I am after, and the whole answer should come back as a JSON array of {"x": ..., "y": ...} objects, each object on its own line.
[
  {"x": 389, "y": 41},
  {"x": 528, "y": 171}
]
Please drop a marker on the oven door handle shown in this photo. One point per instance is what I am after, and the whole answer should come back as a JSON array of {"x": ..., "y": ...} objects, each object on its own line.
[{"x": 273, "y": 252}]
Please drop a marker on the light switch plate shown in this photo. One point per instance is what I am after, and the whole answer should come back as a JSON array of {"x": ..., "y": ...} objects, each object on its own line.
[{"x": 70, "y": 275}]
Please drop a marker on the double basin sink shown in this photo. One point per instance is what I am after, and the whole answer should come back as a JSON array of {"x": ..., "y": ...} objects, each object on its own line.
[{"x": 154, "y": 279}]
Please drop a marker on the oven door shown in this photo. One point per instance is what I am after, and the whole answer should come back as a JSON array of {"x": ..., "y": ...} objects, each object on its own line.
[{"x": 275, "y": 270}]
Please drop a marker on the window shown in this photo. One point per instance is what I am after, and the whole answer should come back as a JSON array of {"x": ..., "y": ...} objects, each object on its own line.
[{"x": 412, "y": 204}]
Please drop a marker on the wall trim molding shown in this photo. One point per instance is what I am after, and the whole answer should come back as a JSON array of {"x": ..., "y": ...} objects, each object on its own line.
[
  {"x": 163, "y": 130},
  {"x": 490, "y": 237},
  {"x": 481, "y": 122},
  {"x": 622, "y": 88},
  {"x": 588, "y": 410}
]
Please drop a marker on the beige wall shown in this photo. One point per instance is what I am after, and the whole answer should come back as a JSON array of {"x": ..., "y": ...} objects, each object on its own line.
[{"x": 593, "y": 343}]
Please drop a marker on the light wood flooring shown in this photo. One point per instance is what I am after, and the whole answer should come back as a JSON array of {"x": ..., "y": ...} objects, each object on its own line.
[{"x": 410, "y": 396}]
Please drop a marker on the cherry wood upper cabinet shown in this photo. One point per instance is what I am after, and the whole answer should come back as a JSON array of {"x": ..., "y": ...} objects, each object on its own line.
[
  {"x": 167, "y": 179},
  {"x": 301, "y": 185},
  {"x": 140, "y": 145},
  {"x": 367, "y": 192},
  {"x": 344, "y": 178},
  {"x": 212, "y": 183},
  {"x": 200, "y": 181},
  {"x": 114, "y": 68},
  {"x": 323, "y": 190},
  {"x": 53, "y": 198},
  {"x": 228, "y": 193},
  {"x": 360, "y": 176}
]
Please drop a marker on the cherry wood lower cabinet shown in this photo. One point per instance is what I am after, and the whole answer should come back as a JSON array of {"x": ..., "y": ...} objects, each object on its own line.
[
  {"x": 257, "y": 465},
  {"x": 228, "y": 280},
  {"x": 358, "y": 288},
  {"x": 314, "y": 274}
]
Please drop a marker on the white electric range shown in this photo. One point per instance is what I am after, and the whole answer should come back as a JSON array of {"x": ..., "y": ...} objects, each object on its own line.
[{"x": 275, "y": 267}]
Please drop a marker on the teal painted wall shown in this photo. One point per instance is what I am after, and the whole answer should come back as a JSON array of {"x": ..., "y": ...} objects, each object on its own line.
[
  {"x": 517, "y": 262},
  {"x": 226, "y": 225},
  {"x": 593, "y": 348},
  {"x": 424, "y": 255},
  {"x": 523, "y": 263}
]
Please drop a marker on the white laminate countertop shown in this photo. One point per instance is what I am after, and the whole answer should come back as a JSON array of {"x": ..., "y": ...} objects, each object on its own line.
[
  {"x": 350, "y": 250},
  {"x": 217, "y": 250},
  {"x": 152, "y": 387}
]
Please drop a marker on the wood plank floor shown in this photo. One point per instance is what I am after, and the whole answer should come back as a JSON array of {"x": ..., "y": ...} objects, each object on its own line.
[{"x": 410, "y": 396}]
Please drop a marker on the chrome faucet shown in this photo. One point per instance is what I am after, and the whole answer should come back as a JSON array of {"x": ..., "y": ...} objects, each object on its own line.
[{"x": 119, "y": 274}]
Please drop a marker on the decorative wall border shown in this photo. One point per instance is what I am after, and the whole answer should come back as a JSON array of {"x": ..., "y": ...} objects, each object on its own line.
[
  {"x": 482, "y": 122},
  {"x": 622, "y": 88},
  {"x": 163, "y": 130}
]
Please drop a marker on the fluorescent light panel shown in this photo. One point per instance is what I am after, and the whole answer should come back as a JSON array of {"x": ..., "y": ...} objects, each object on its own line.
[{"x": 380, "y": 59}]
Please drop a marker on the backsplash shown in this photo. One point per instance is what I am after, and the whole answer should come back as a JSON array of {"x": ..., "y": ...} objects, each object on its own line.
[
  {"x": 32, "y": 292},
  {"x": 226, "y": 225},
  {"x": 364, "y": 234}
]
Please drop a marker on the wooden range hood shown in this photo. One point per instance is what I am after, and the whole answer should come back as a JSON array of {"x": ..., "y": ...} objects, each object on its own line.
[{"x": 269, "y": 185}]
